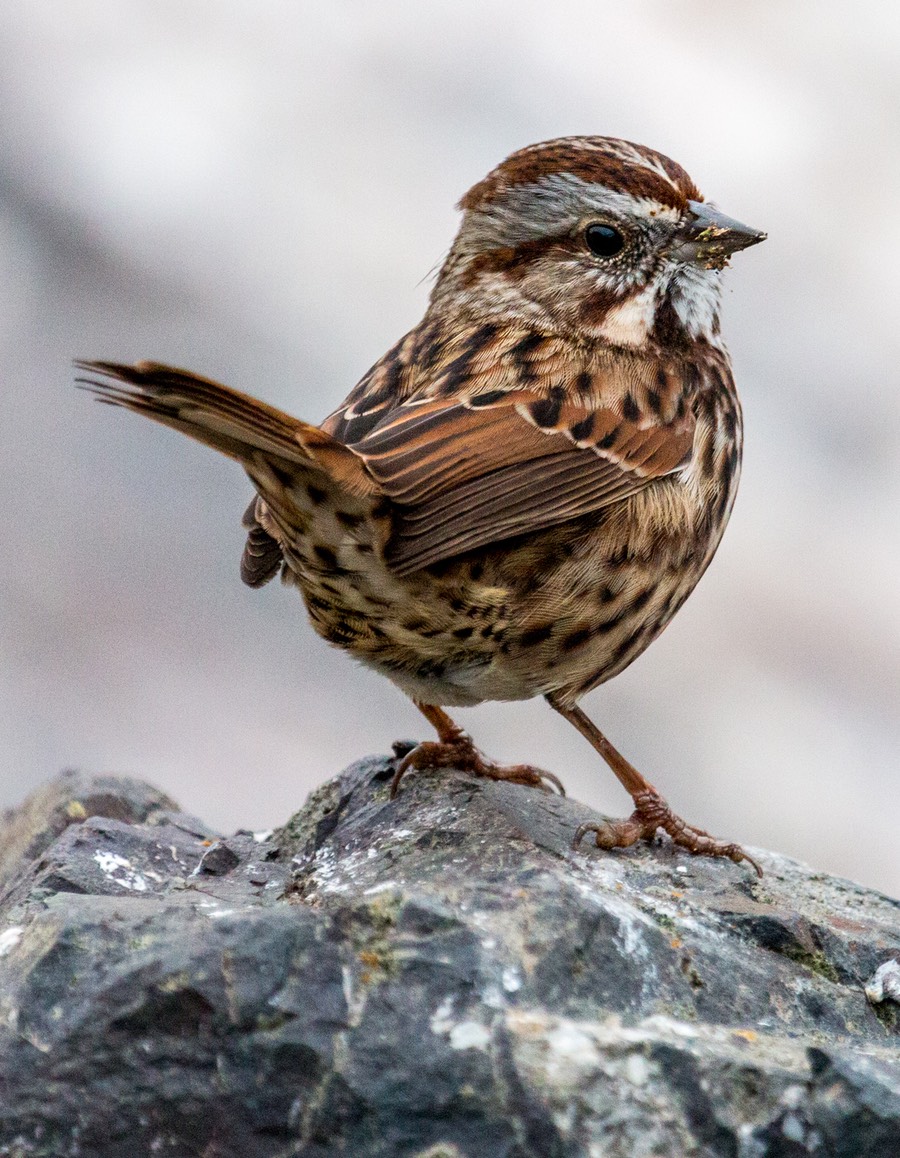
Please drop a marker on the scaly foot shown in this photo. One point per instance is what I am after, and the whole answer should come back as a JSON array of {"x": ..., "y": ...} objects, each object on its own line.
[
  {"x": 459, "y": 752},
  {"x": 650, "y": 813}
]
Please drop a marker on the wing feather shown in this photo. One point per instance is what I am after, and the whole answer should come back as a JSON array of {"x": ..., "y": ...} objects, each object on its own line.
[{"x": 511, "y": 431}]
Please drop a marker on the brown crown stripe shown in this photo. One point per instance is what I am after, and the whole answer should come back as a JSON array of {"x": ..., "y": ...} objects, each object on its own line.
[{"x": 597, "y": 163}]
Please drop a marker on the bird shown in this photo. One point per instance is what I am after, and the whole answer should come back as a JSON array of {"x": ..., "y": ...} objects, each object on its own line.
[{"x": 519, "y": 496}]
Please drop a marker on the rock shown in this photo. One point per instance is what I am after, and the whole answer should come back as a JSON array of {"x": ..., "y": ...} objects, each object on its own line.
[{"x": 438, "y": 976}]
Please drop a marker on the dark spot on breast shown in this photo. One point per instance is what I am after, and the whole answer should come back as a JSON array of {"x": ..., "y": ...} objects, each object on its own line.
[
  {"x": 583, "y": 430},
  {"x": 462, "y": 632},
  {"x": 326, "y": 557},
  {"x": 340, "y": 634},
  {"x": 584, "y": 382},
  {"x": 654, "y": 400},
  {"x": 661, "y": 380},
  {"x": 348, "y": 520},
  {"x": 630, "y": 409},
  {"x": 575, "y": 638},
  {"x": 530, "y": 583},
  {"x": 535, "y": 635},
  {"x": 316, "y": 494},
  {"x": 609, "y": 440},
  {"x": 622, "y": 650},
  {"x": 619, "y": 557},
  {"x": 612, "y": 623},
  {"x": 640, "y": 601}
]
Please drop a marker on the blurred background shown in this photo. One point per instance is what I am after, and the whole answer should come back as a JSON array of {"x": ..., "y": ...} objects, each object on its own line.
[{"x": 258, "y": 191}]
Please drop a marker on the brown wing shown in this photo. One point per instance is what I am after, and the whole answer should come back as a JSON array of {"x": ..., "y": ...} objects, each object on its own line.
[{"x": 467, "y": 473}]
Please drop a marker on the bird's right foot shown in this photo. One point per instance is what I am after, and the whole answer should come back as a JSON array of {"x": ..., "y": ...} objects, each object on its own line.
[
  {"x": 459, "y": 752},
  {"x": 651, "y": 812}
]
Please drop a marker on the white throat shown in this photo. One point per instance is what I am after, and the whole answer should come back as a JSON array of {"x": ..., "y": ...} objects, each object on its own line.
[{"x": 695, "y": 293}]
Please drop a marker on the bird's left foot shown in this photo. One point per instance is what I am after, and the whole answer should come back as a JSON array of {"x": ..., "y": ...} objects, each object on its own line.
[
  {"x": 651, "y": 812},
  {"x": 459, "y": 752}
]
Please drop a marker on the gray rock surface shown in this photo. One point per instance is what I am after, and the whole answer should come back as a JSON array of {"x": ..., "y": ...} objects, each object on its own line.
[{"x": 437, "y": 976}]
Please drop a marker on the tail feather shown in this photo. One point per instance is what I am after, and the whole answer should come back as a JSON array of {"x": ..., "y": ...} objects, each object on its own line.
[{"x": 225, "y": 419}]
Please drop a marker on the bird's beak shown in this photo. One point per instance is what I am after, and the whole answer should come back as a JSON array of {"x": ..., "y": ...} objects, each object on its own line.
[{"x": 710, "y": 238}]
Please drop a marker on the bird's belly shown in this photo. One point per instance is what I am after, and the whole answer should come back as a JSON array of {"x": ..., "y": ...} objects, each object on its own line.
[
  {"x": 618, "y": 584},
  {"x": 562, "y": 610}
]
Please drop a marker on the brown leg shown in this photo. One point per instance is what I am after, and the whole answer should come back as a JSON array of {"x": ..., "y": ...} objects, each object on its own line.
[
  {"x": 454, "y": 749},
  {"x": 650, "y": 810}
]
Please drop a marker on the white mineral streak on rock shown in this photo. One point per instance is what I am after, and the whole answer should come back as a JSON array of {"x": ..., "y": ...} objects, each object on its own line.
[
  {"x": 572, "y": 1055},
  {"x": 512, "y": 979},
  {"x": 793, "y": 1129},
  {"x": 461, "y": 1035},
  {"x": 442, "y": 1018},
  {"x": 120, "y": 871},
  {"x": 383, "y": 887},
  {"x": 470, "y": 1035},
  {"x": 884, "y": 984},
  {"x": 9, "y": 938},
  {"x": 637, "y": 1069}
]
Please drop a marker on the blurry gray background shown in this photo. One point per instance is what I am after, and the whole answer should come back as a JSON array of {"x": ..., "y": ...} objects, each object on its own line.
[{"x": 257, "y": 191}]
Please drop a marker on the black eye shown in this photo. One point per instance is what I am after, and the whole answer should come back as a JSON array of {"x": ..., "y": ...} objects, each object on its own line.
[{"x": 603, "y": 240}]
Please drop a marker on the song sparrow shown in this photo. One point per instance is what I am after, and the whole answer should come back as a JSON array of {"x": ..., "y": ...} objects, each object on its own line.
[{"x": 521, "y": 494}]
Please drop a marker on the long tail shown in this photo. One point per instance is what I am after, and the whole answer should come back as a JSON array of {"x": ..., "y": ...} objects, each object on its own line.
[{"x": 227, "y": 420}]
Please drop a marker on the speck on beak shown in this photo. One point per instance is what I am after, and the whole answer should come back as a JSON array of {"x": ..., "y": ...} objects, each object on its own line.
[{"x": 710, "y": 237}]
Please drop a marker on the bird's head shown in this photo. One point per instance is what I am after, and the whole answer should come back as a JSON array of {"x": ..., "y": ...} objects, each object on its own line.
[{"x": 596, "y": 238}]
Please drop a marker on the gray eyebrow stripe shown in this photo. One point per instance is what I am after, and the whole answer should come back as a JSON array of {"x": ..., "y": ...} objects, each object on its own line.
[{"x": 552, "y": 205}]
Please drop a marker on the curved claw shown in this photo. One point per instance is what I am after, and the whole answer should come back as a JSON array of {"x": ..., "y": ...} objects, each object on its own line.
[
  {"x": 461, "y": 753},
  {"x": 651, "y": 813}
]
